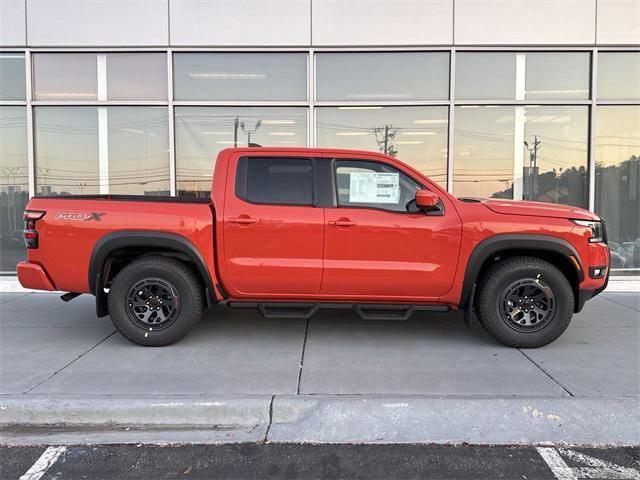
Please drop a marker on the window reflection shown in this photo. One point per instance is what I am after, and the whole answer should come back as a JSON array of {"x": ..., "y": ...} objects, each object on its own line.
[
  {"x": 68, "y": 152},
  {"x": 138, "y": 156},
  {"x": 12, "y": 76},
  {"x": 65, "y": 76},
  {"x": 136, "y": 76},
  {"x": 534, "y": 153},
  {"x": 522, "y": 76},
  {"x": 202, "y": 132},
  {"x": 14, "y": 185},
  {"x": 618, "y": 181},
  {"x": 416, "y": 135},
  {"x": 240, "y": 76},
  {"x": 399, "y": 76},
  {"x": 619, "y": 75}
]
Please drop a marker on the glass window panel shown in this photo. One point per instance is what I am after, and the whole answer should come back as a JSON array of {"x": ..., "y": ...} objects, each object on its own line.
[
  {"x": 240, "y": 76},
  {"x": 485, "y": 76},
  {"x": 12, "y": 76},
  {"x": 400, "y": 76},
  {"x": 14, "y": 185},
  {"x": 400, "y": 200},
  {"x": 618, "y": 181},
  {"x": 487, "y": 140},
  {"x": 619, "y": 75},
  {"x": 416, "y": 135},
  {"x": 65, "y": 76},
  {"x": 281, "y": 181},
  {"x": 202, "y": 132},
  {"x": 138, "y": 153},
  {"x": 520, "y": 76},
  {"x": 557, "y": 75},
  {"x": 66, "y": 150},
  {"x": 136, "y": 76}
]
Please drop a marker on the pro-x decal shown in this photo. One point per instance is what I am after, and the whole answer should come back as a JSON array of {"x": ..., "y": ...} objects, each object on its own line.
[{"x": 79, "y": 217}]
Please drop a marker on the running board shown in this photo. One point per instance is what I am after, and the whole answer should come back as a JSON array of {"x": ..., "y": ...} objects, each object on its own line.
[{"x": 366, "y": 311}]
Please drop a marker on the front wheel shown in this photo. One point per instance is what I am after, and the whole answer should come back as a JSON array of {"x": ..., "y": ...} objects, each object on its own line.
[
  {"x": 524, "y": 302},
  {"x": 155, "y": 301}
]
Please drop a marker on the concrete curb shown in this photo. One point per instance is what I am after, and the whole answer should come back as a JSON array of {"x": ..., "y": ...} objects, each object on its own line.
[
  {"x": 455, "y": 420},
  {"x": 217, "y": 412},
  {"x": 598, "y": 421}
]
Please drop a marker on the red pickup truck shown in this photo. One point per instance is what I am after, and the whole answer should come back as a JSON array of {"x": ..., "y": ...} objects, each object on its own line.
[{"x": 292, "y": 231}]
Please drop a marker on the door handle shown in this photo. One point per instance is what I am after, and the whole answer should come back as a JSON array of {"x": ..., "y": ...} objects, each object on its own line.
[
  {"x": 342, "y": 222},
  {"x": 244, "y": 220}
]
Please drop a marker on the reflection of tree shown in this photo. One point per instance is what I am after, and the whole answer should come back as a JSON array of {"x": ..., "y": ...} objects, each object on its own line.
[{"x": 566, "y": 186}]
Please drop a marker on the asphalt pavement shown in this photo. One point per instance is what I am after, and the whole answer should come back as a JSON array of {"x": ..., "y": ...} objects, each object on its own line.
[{"x": 330, "y": 461}]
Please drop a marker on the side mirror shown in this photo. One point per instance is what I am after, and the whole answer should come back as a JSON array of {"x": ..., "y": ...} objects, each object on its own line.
[{"x": 426, "y": 199}]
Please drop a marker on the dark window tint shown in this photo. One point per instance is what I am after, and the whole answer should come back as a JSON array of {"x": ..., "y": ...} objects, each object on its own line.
[{"x": 286, "y": 181}]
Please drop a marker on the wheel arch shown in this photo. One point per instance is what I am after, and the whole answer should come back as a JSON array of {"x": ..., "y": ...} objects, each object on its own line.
[
  {"x": 496, "y": 248},
  {"x": 131, "y": 244}
]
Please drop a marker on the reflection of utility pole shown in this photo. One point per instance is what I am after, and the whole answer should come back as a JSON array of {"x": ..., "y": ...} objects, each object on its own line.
[
  {"x": 384, "y": 137},
  {"x": 236, "y": 123},
  {"x": 82, "y": 186},
  {"x": 532, "y": 170},
  {"x": 249, "y": 131}
]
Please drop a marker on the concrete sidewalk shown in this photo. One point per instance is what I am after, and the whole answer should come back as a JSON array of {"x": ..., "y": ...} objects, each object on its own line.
[{"x": 336, "y": 378}]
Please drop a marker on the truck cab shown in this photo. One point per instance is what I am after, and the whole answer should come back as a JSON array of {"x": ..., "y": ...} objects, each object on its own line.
[{"x": 292, "y": 231}]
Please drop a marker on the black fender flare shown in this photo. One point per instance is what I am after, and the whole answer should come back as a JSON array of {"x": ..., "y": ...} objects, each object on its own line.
[
  {"x": 503, "y": 242},
  {"x": 111, "y": 242}
]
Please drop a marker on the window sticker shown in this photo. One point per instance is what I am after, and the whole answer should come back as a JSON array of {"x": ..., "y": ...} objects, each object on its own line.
[{"x": 373, "y": 187}]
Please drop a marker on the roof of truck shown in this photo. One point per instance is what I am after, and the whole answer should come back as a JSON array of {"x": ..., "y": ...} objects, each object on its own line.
[{"x": 310, "y": 151}]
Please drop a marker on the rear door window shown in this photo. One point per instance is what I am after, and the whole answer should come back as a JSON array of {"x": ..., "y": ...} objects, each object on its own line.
[{"x": 276, "y": 180}]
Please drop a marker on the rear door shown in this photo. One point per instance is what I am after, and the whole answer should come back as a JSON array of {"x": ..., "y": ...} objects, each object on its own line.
[{"x": 273, "y": 230}]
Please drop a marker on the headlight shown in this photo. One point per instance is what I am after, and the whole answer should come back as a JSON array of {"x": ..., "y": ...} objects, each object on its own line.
[{"x": 597, "y": 229}]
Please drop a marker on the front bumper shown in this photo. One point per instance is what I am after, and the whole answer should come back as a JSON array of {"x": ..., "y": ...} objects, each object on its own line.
[
  {"x": 33, "y": 276},
  {"x": 584, "y": 294}
]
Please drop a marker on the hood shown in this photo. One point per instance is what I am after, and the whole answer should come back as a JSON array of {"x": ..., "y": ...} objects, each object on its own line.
[{"x": 537, "y": 209}]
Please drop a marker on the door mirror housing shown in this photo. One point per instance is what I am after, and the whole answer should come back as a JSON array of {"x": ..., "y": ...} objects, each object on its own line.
[{"x": 427, "y": 200}]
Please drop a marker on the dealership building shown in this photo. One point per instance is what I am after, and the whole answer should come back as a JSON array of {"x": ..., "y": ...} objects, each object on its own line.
[{"x": 522, "y": 99}]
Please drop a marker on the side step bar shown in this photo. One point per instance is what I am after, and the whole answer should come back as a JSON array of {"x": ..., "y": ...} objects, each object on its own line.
[{"x": 366, "y": 311}]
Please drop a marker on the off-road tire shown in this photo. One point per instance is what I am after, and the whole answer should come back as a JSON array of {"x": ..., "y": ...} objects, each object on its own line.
[
  {"x": 177, "y": 275},
  {"x": 495, "y": 282}
]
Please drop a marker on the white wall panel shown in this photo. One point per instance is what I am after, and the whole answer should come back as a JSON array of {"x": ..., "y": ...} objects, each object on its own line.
[
  {"x": 507, "y": 22},
  {"x": 12, "y": 23},
  {"x": 97, "y": 22},
  {"x": 240, "y": 22},
  {"x": 619, "y": 22},
  {"x": 382, "y": 22}
]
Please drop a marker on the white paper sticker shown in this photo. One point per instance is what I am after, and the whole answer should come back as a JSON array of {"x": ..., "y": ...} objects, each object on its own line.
[{"x": 372, "y": 187}]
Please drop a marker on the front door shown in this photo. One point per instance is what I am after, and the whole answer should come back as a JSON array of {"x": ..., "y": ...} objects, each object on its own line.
[
  {"x": 378, "y": 244},
  {"x": 273, "y": 233}
]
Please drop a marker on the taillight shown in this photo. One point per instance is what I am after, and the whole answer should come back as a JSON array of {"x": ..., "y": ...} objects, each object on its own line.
[{"x": 30, "y": 234}]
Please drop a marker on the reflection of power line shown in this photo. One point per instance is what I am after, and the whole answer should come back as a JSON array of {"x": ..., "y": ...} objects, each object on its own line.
[
  {"x": 531, "y": 172},
  {"x": 384, "y": 138}
]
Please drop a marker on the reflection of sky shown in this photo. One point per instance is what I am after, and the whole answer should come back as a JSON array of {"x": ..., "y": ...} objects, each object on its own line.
[
  {"x": 420, "y": 133},
  {"x": 202, "y": 132},
  {"x": 617, "y": 134},
  {"x": 67, "y": 149},
  {"x": 484, "y": 144}
]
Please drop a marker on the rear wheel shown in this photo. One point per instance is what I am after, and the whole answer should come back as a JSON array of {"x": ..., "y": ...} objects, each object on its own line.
[
  {"x": 155, "y": 301},
  {"x": 524, "y": 302}
]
